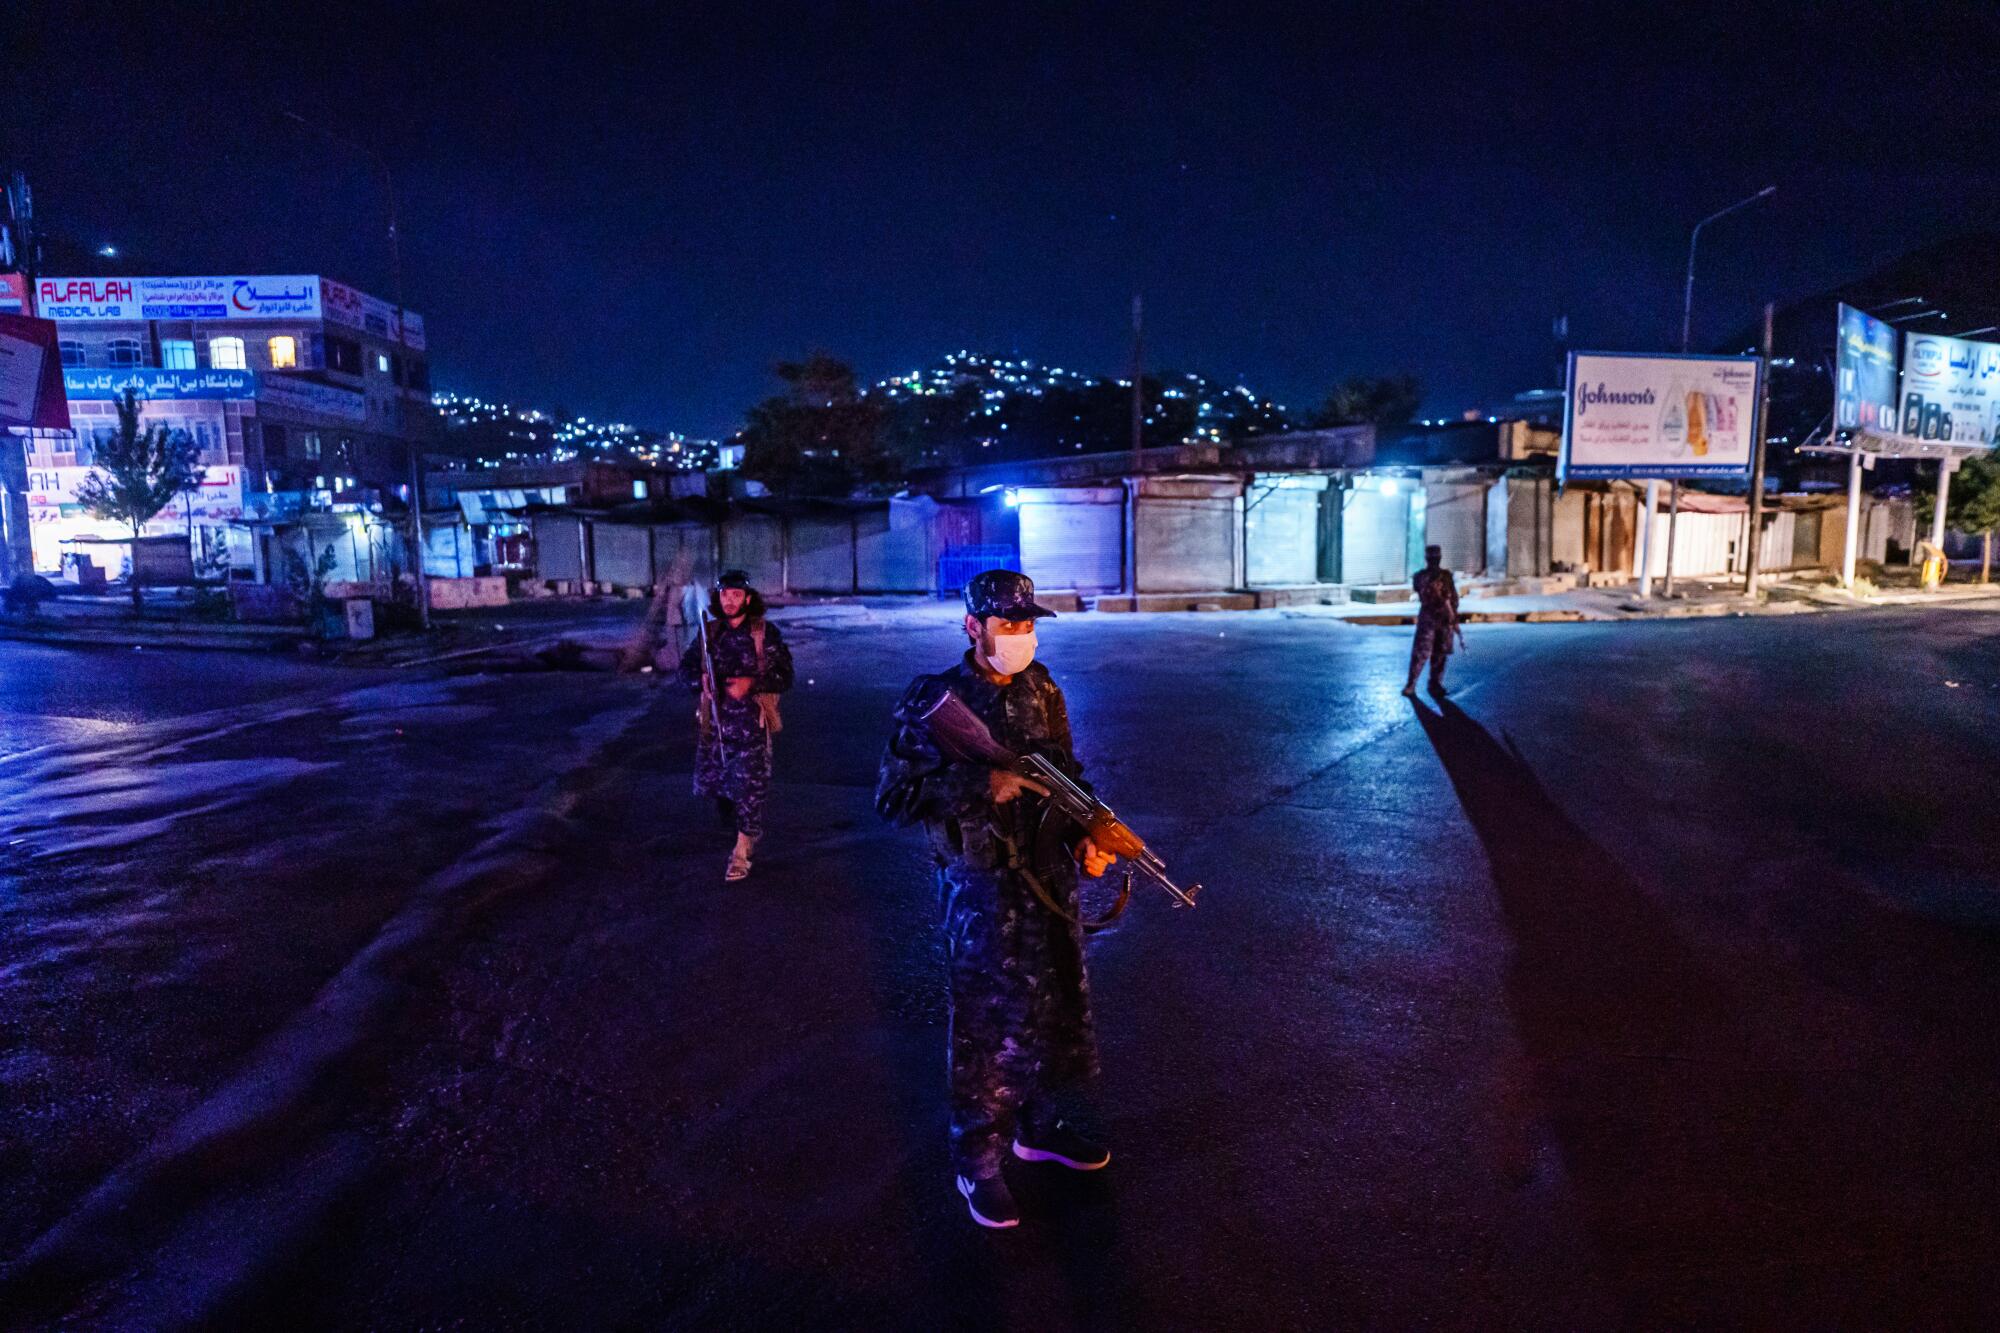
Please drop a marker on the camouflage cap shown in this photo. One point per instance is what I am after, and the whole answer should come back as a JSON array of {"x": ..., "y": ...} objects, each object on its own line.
[{"x": 1005, "y": 593}]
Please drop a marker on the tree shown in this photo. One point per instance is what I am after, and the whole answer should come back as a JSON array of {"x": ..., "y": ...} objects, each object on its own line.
[
  {"x": 820, "y": 434},
  {"x": 1390, "y": 400},
  {"x": 139, "y": 471},
  {"x": 1973, "y": 506}
]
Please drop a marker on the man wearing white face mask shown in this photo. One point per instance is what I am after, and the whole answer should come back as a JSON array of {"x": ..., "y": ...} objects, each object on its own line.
[{"x": 1022, "y": 1041}]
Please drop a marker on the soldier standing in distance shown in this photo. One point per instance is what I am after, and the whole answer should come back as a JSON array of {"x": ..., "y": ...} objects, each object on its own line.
[
  {"x": 745, "y": 668},
  {"x": 1021, "y": 1031},
  {"x": 1437, "y": 621}
]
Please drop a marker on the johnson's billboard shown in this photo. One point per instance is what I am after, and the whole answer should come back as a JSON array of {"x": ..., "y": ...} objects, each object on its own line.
[{"x": 1634, "y": 415}]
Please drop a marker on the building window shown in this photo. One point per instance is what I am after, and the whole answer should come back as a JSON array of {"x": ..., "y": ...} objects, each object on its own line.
[
  {"x": 396, "y": 369},
  {"x": 343, "y": 355},
  {"x": 382, "y": 362},
  {"x": 126, "y": 353},
  {"x": 284, "y": 352},
  {"x": 311, "y": 444},
  {"x": 177, "y": 354},
  {"x": 72, "y": 352},
  {"x": 420, "y": 375},
  {"x": 638, "y": 488},
  {"x": 226, "y": 354}
]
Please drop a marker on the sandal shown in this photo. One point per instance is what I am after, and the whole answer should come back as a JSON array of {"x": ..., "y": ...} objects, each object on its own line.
[{"x": 739, "y": 868}]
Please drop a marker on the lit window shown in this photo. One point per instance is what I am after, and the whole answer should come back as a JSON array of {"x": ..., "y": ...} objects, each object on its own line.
[
  {"x": 226, "y": 354},
  {"x": 638, "y": 489},
  {"x": 382, "y": 362},
  {"x": 72, "y": 352},
  {"x": 284, "y": 352},
  {"x": 312, "y": 444},
  {"x": 177, "y": 354},
  {"x": 126, "y": 353}
]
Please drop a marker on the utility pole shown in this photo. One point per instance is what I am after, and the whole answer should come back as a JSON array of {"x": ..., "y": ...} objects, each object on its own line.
[
  {"x": 1754, "y": 539},
  {"x": 402, "y": 360},
  {"x": 1138, "y": 382},
  {"x": 1138, "y": 446}
]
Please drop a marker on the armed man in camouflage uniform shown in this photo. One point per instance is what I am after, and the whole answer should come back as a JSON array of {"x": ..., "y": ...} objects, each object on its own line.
[
  {"x": 736, "y": 719},
  {"x": 1021, "y": 1031},
  {"x": 1437, "y": 621}
]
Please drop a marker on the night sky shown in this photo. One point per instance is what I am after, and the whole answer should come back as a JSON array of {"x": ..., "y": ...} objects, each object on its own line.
[{"x": 635, "y": 218}]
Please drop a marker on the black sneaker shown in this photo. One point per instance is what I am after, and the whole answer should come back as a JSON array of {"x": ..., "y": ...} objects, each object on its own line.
[
  {"x": 991, "y": 1202},
  {"x": 1063, "y": 1146}
]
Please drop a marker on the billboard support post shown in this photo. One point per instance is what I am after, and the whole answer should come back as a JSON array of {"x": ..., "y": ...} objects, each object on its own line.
[
  {"x": 1673, "y": 520},
  {"x": 1651, "y": 507},
  {"x": 1946, "y": 466},
  {"x": 1753, "y": 540},
  {"x": 1853, "y": 521}
]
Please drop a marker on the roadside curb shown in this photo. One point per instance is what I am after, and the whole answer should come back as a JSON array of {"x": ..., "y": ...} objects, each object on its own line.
[{"x": 219, "y": 639}]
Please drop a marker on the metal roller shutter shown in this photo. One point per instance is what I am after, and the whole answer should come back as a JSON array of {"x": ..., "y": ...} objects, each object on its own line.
[
  {"x": 1374, "y": 537},
  {"x": 1455, "y": 519},
  {"x": 1281, "y": 536},
  {"x": 1186, "y": 544},
  {"x": 1073, "y": 544},
  {"x": 559, "y": 547}
]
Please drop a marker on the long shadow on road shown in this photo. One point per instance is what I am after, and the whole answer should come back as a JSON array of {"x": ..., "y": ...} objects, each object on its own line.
[{"x": 1719, "y": 1183}]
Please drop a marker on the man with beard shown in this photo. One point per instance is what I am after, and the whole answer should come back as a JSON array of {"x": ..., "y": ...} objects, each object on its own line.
[
  {"x": 1021, "y": 1039},
  {"x": 739, "y": 665}
]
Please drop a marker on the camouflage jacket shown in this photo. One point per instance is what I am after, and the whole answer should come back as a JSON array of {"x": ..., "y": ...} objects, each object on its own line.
[
  {"x": 1437, "y": 598},
  {"x": 954, "y": 800},
  {"x": 734, "y": 651}
]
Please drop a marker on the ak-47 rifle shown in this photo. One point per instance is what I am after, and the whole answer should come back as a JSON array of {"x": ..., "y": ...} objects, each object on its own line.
[
  {"x": 710, "y": 686},
  {"x": 961, "y": 735}
]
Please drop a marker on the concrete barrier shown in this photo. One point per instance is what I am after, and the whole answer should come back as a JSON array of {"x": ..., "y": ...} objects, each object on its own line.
[{"x": 465, "y": 594}]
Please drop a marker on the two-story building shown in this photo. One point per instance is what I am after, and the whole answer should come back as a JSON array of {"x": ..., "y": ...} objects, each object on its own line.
[{"x": 299, "y": 392}]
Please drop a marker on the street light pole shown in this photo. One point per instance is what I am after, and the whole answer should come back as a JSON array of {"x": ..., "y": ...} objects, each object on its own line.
[
  {"x": 402, "y": 348},
  {"x": 1687, "y": 339}
]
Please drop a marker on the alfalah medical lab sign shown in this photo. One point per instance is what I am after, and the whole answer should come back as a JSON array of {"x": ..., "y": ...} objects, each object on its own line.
[{"x": 1660, "y": 415}]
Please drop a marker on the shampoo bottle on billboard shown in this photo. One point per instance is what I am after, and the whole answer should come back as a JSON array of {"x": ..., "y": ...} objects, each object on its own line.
[
  {"x": 1674, "y": 421},
  {"x": 1698, "y": 423}
]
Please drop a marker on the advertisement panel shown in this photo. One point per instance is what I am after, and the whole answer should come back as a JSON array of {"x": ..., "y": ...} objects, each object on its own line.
[
  {"x": 1951, "y": 389},
  {"x": 284, "y": 296},
  {"x": 158, "y": 385},
  {"x": 358, "y": 310},
  {"x": 325, "y": 400},
  {"x": 13, "y": 294},
  {"x": 31, "y": 389},
  {"x": 1864, "y": 377},
  {"x": 1659, "y": 415}
]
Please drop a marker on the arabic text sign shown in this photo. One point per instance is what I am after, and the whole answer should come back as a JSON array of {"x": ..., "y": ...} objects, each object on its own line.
[
  {"x": 299, "y": 395},
  {"x": 1864, "y": 377},
  {"x": 52, "y": 497},
  {"x": 358, "y": 310},
  {"x": 158, "y": 385},
  {"x": 1633, "y": 415},
  {"x": 1951, "y": 389},
  {"x": 284, "y": 296}
]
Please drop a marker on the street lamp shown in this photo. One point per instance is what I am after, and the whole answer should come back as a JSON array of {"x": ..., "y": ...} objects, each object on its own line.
[
  {"x": 1687, "y": 331},
  {"x": 402, "y": 348},
  {"x": 1694, "y": 237}
]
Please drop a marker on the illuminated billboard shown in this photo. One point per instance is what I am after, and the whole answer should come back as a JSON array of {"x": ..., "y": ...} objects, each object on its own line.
[{"x": 1659, "y": 415}]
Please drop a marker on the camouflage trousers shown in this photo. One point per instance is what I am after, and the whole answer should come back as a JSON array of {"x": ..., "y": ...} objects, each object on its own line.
[
  {"x": 1021, "y": 1037},
  {"x": 1433, "y": 645},
  {"x": 737, "y": 771}
]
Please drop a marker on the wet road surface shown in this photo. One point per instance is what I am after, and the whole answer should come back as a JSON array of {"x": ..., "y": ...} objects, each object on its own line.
[{"x": 1649, "y": 982}]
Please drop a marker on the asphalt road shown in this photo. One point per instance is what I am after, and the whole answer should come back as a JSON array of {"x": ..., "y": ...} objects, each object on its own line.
[{"x": 1652, "y": 982}]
